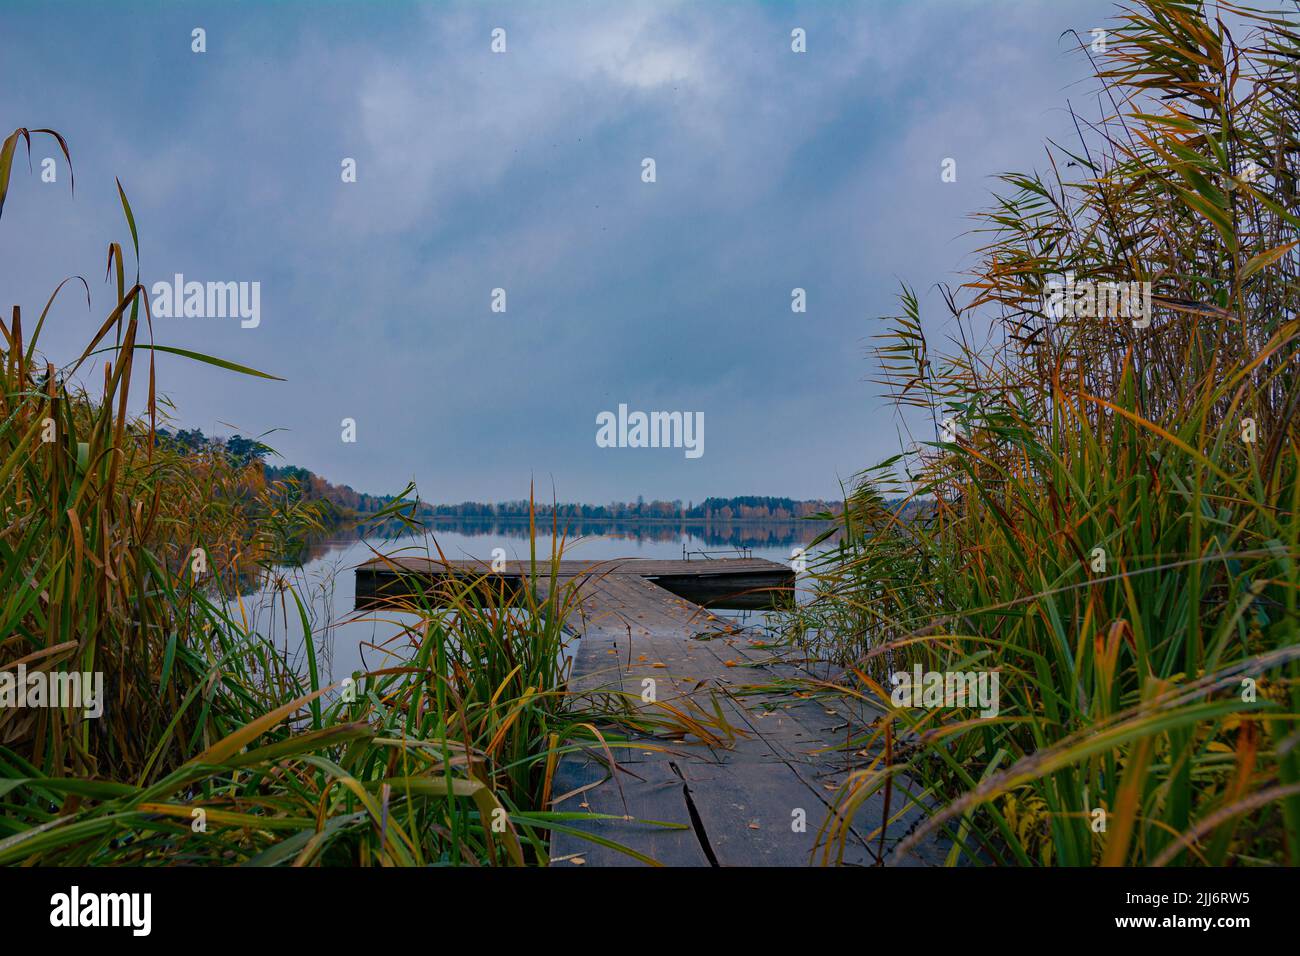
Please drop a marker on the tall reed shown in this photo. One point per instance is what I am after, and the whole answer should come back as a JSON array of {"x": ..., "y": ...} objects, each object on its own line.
[
  {"x": 213, "y": 748},
  {"x": 1108, "y": 517}
]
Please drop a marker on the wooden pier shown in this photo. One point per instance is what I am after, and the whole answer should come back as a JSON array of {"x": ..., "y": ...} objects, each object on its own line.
[
  {"x": 735, "y": 583},
  {"x": 756, "y": 786}
]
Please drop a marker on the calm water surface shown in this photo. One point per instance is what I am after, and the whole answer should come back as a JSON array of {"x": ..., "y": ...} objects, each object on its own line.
[{"x": 348, "y": 640}]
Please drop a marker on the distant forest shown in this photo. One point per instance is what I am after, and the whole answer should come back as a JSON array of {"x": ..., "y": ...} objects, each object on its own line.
[
  {"x": 739, "y": 508},
  {"x": 310, "y": 486}
]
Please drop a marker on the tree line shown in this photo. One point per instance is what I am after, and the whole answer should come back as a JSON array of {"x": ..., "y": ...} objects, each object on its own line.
[
  {"x": 737, "y": 508},
  {"x": 301, "y": 483}
]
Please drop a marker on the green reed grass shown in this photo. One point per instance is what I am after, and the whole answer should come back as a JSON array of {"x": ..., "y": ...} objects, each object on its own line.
[
  {"x": 212, "y": 748},
  {"x": 1129, "y": 733}
]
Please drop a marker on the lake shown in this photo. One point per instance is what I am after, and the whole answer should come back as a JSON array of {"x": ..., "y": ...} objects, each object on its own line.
[{"x": 348, "y": 640}]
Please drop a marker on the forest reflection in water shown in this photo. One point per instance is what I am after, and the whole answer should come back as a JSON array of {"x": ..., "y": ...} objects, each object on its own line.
[{"x": 722, "y": 536}]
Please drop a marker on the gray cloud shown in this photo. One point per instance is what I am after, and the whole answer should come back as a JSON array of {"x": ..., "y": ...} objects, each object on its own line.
[{"x": 523, "y": 171}]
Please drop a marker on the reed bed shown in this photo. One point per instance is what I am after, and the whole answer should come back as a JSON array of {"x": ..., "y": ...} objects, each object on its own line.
[
  {"x": 213, "y": 748},
  {"x": 1107, "y": 517}
]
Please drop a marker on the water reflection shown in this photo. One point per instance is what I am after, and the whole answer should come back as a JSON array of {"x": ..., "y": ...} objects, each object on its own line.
[
  {"x": 320, "y": 572},
  {"x": 713, "y": 535}
]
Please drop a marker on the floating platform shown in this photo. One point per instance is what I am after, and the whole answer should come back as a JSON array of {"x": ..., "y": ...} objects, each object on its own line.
[{"x": 734, "y": 583}]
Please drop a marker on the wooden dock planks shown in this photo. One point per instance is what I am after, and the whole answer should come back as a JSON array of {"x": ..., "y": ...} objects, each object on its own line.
[
  {"x": 744, "y": 798},
  {"x": 733, "y": 582},
  {"x": 756, "y": 794}
]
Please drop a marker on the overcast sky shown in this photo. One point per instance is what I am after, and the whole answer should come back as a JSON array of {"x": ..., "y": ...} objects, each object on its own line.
[{"x": 523, "y": 171}]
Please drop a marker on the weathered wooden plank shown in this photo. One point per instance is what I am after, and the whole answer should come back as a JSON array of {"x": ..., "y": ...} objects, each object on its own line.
[
  {"x": 757, "y": 786},
  {"x": 762, "y": 799},
  {"x": 756, "y": 811},
  {"x": 742, "y": 795},
  {"x": 637, "y": 630},
  {"x": 815, "y": 734},
  {"x": 655, "y": 793}
]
